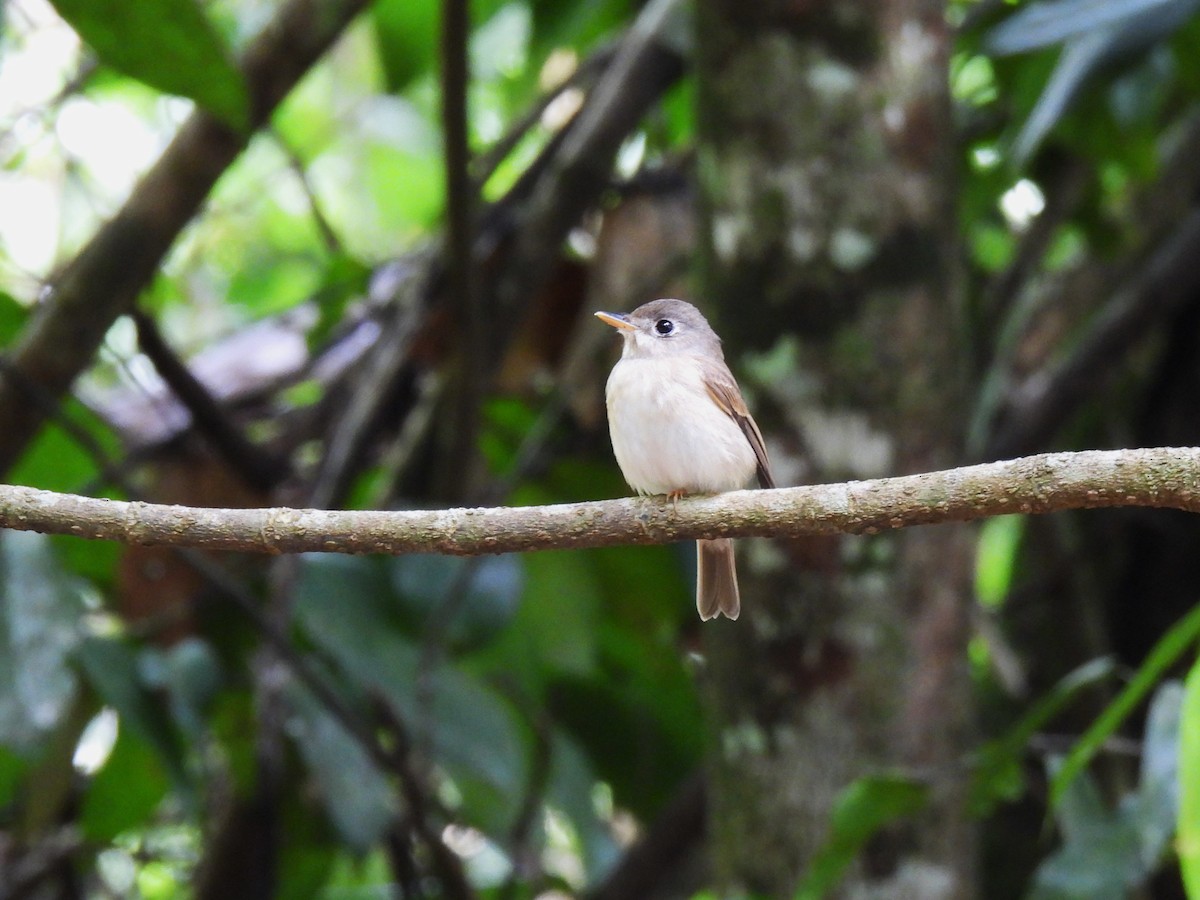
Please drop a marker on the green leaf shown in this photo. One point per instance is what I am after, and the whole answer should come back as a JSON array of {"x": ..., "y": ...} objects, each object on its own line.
[
  {"x": 345, "y": 279},
  {"x": 1100, "y": 856},
  {"x": 481, "y": 594},
  {"x": 112, "y": 668},
  {"x": 125, "y": 791},
  {"x": 56, "y": 461},
  {"x": 861, "y": 809},
  {"x": 652, "y": 731},
  {"x": 413, "y": 197},
  {"x": 571, "y": 788},
  {"x": 1170, "y": 647},
  {"x": 998, "y": 770},
  {"x": 1042, "y": 24},
  {"x": 359, "y": 799},
  {"x": 992, "y": 246},
  {"x": 12, "y": 317},
  {"x": 995, "y": 558},
  {"x": 556, "y": 621},
  {"x": 1107, "y": 852},
  {"x": 169, "y": 44},
  {"x": 346, "y": 605},
  {"x": 1187, "y": 839},
  {"x": 406, "y": 34},
  {"x": 13, "y": 769},
  {"x": 39, "y": 629},
  {"x": 189, "y": 673},
  {"x": 576, "y": 23},
  {"x": 1153, "y": 808}
]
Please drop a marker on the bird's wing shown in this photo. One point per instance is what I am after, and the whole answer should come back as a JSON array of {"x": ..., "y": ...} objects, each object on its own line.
[{"x": 724, "y": 391}]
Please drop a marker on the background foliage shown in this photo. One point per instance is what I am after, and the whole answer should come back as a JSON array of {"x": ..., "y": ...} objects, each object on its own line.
[{"x": 176, "y": 724}]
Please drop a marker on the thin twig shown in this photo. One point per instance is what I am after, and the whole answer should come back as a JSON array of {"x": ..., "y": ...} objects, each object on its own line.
[
  {"x": 1000, "y": 294},
  {"x": 444, "y": 863},
  {"x": 378, "y": 374},
  {"x": 522, "y": 855},
  {"x": 460, "y": 465},
  {"x": 484, "y": 165},
  {"x": 659, "y": 852},
  {"x": 254, "y": 466},
  {"x": 1038, "y": 406},
  {"x": 329, "y": 237},
  {"x": 285, "y": 652},
  {"x": 645, "y": 65},
  {"x": 51, "y": 409}
]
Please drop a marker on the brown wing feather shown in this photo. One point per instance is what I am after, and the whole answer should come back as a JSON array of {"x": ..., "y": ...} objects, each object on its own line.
[{"x": 724, "y": 391}]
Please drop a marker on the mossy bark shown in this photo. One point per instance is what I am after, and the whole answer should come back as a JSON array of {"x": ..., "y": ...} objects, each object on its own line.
[{"x": 825, "y": 170}]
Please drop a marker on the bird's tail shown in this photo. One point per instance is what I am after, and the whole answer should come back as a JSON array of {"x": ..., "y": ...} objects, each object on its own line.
[{"x": 716, "y": 579}]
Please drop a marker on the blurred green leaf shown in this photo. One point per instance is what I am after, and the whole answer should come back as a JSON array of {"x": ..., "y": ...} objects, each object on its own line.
[
  {"x": 40, "y": 609},
  {"x": 507, "y": 422},
  {"x": 637, "y": 717},
  {"x": 556, "y": 621},
  {"x": 409, "y": 198},
  {"x": 861, "y": 810},
  {"x": 190, "y": 675},
  {"x": 168, "y": 44},
  {"x": 992, "y": 245},
  {"x": 346, "y": 605},
  {"x": 972, "y": 79},
  {"x": 1139, "y": 95},
  {"x": 576, "y": 23},
  {"x": 344, "y": 279},
  {"x": 93, "y": 561},
  {"x": 56, "y": 461},
  {"x": 1041, "y": 24},
  {"x": 125, "y": 791},
  {"x": 1153, "y": 807},
  {"x": 998, "y": 771},
  {"x": 1170, "y": 647},
  {"x": 500, "y": 42},
  {"x": 1099, "y": 858},
  {"x": 1109, "y": 852},
  {"x": 1067, "y": 249},
  {"x": 406, "y": 34},
  {"x": 995, "y": 558},
  {"x": 111, "y": 666},
  {"x": 360, "y": 801},
  {"x": 13, "y": 769},
  {"x": 275, "y": 284},
  {"x": 1188, "y": 823},
  {"x": 571, "y": 789},
  {"x": 1093, "y": 36},
  {"x": 157, "y": 880},
  {"x": 12, "y": 318},
  {"x": 232, "y": 723},
  {"x": 352, "y": 879},
  {"x": 481, "y": 594}
]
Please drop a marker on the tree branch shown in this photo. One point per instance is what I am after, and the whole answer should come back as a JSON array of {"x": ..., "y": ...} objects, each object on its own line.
[
  {"x": 1156, "y": 477},
  {"x": 646, "y": 64},
  {"x": 104, "y": 279},
  {"x": 1040, "y": 404},
  {"x": 253, "y": 465}
]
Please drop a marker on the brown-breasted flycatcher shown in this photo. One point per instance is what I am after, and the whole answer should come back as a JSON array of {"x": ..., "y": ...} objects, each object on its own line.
[{"x": 679, "y": 426}]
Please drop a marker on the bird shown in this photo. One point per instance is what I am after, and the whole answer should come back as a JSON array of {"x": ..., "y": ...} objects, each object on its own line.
[{"x": 679, "y": 425}]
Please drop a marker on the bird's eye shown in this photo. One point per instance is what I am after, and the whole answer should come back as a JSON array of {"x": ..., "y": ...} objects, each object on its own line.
[{"x": 664, "y": 326}]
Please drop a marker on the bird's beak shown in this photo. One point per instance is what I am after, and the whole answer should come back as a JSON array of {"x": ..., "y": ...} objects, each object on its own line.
[{"x": 616, "y": 320}]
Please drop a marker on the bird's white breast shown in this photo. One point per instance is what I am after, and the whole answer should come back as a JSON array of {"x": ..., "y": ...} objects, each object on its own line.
[{"x": 668, "y": 433}]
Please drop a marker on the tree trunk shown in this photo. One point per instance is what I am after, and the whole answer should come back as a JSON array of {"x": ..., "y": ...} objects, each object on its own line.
[{"x": 825, "y": 170}]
